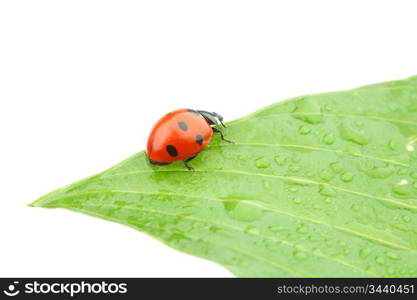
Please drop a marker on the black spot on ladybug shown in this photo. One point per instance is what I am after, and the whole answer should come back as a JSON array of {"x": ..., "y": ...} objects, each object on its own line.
[
  {"x": 199, "y": 139},
  {"x": 183, "y": 126},
  {"x": 172, "y": 150},
  {"x": 193, "y": 111}
]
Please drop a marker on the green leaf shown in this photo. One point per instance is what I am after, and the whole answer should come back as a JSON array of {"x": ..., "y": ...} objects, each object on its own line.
[{"x": 319, "y": 185}]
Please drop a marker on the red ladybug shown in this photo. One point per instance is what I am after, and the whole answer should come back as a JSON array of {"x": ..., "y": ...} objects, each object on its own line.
[{"x": 181, "y": 135}]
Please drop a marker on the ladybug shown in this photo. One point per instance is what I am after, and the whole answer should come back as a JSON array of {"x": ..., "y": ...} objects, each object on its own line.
[{"x": 181, "y": 135}]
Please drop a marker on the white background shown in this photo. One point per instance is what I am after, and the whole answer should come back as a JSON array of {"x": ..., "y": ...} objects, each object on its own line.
[{"x": 81, "y": 83}]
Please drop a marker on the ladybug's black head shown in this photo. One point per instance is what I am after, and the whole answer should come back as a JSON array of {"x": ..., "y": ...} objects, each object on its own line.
[
  {"x": 212, "y": 118},
  {"x": 217, "y": 116}
]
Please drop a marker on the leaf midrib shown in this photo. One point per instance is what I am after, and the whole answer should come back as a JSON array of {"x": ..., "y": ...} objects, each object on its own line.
[{"x": 289, "y": 178}]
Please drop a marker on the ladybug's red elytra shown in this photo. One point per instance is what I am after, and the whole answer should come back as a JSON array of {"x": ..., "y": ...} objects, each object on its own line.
[{"x": 181, "y": 135}]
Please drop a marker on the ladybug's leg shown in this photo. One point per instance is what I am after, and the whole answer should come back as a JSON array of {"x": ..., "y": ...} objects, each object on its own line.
[
  {"x": 221, "y": 135},
  {"x": 185, "y": 161}
]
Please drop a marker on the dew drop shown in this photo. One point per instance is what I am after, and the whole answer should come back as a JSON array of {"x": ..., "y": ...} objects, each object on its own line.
[
  {"x": 328, "y": 107},
  {"x": 392, "y": 145},
  {"x": 299, "y": 255},
  {"x": 242, "y": 212},
  {"x": 409, "y": 148},
  {"x": 412, "y": 107},
  {"x": 406, "y": 219},
  {"x": 317, "y": 251},
  {"x": 229, "y": 205},
  {"x": 392, "y": 255},
  {"x": 313, "y": 238},
  {"x": 359, "y": 123},
  {"x": 403, "y": 181},
  {"x": 347, "y": 177},
  {"x": 280, "y": 160},
  {"x": 400, "y": 227},
  {"x": 380, "y": 260},
  {"x": 326, "y": 174},
  {"x": 337, "y": 167},
  {"x": 214, "y": 229},
  {"x": 295, "y": 159},
  {"x": 296, "y": 201},
  {"x": 242, "y": 158},
  {"x": 262, "y": 163},
  {"x": 352, "y": 133},
  {"x": 294, "y": 168},
  {"x": 276, "y": 229},
  {"x": 328, "y": 139},
  {"x": 251, "y": 230},
  {"x": 355, "y": 207},
  {"x": 402, "y": 172},
  {"x": 302, "y": 229},
  {"x": 401, "y": 189},
  {"x": 305, "y": 129},
  {"x": 353, "y": 150},
  {"x": 308, "y": 105},
  {"x": 341, "y": 243},
  {"x": 291, "y": 236},
  {"x": 266, "y": 185},
  {"x": 364, "y": 252},
  {"x": 293, "y": 189},
  {"x": 377, "y": 170},
  {"x": 326, "y": 190}
]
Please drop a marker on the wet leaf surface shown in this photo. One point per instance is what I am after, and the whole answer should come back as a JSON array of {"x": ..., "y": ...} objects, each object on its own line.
[{"x": 319, "y": 185}]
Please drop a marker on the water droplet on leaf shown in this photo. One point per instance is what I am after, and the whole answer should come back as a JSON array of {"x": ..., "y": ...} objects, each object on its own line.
[
  {"x": 299, "y": 255},
  {"x": 347, "y": 177},
  {"x": 302, "y": 229},
  {"x": 326, "y": 190},
  {"x": 243, "y": 212},
  {"x": 392, "y": 255},
  {"x": 352, "y": 133},
  {"x": 262, "y": 163},
  {"x": 392, "y": 145},
  {"x": 337, "y": 167},
  {"x": 326, "y": 174},
  {"x": 406, "y": 219},
  {"x": 280, "y": 160},
  {"x": 364, "y": 252},
  {"x": 380, "y": 260},
  {"x": 328, "y": 139},
  {"x": 305, "y": 129}
]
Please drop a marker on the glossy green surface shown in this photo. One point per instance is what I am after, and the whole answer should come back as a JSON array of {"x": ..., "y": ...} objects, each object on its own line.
[{"x": 320, "y": 185}]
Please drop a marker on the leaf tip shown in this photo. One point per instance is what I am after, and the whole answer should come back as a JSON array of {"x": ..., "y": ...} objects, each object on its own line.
[{"x": 37, "y": 202}]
